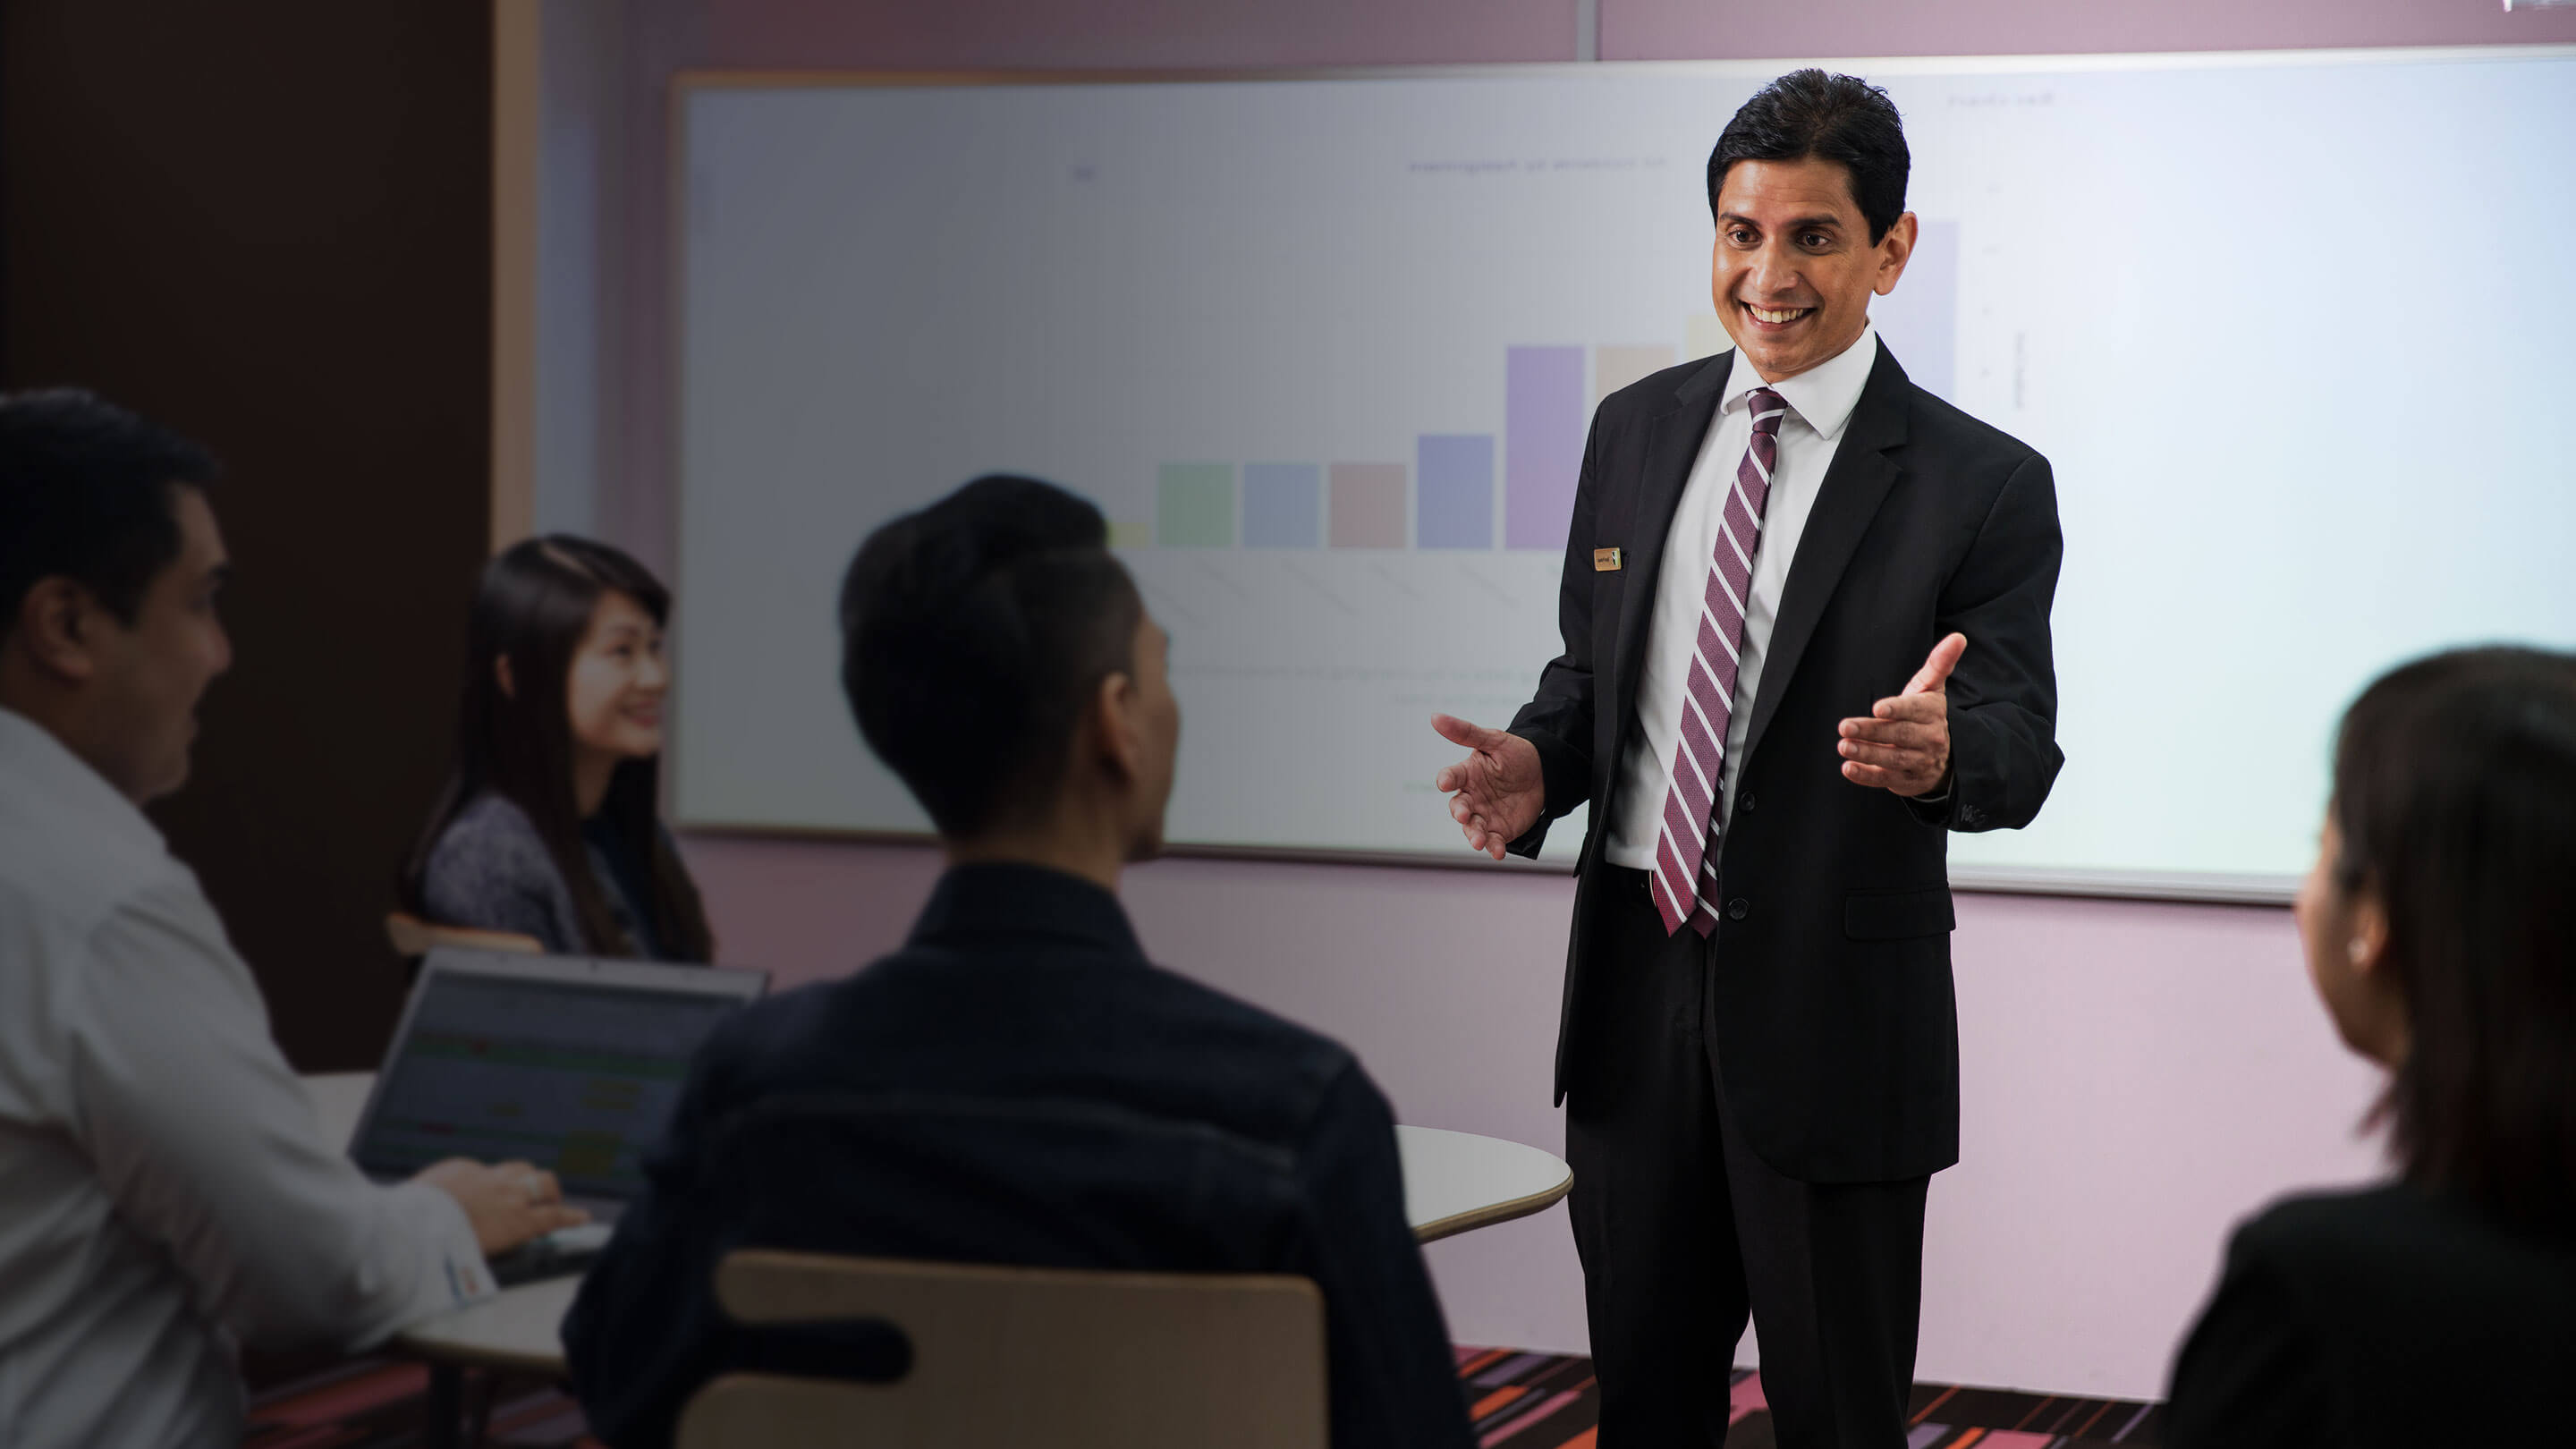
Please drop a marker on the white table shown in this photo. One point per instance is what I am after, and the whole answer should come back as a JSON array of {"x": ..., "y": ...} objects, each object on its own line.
[{"x": 1453, "y": 1182}]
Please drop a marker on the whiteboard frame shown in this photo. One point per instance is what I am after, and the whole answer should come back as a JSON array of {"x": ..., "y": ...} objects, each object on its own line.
[
  {"x": 2205, "y": 887},
  {"x": 2198, "y": 887}
]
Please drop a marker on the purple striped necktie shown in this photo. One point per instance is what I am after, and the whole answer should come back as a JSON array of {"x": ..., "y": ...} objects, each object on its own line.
[{"x": 1685, "y": 880}]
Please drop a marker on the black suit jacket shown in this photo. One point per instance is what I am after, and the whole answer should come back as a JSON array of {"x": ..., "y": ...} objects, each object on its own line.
[
  {"x": 2390, "y": 1317},
  {"x": 1835, "y": 1026},
  {"x": 1016, "y": 1085}
]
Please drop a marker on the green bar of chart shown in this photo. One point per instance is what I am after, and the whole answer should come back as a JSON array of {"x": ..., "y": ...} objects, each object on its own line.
[{"x": 1194, "y": 505}]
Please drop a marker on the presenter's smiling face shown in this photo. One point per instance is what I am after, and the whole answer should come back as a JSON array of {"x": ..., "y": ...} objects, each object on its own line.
[
  {"x": 1794, "y": 267},
  {"x": 615, "y": 691}
]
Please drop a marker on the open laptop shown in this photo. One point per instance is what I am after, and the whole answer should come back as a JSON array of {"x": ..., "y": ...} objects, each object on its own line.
[{"x": 573, "y": 1063}]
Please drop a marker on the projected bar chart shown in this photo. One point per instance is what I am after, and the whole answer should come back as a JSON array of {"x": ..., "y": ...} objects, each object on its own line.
[
  {"x": 1447, "y": 498},
  {"x": 1470, "y": 491}
]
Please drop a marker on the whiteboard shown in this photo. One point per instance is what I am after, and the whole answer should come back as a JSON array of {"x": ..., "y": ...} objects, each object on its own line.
[{"x": 1323, "y": 349}]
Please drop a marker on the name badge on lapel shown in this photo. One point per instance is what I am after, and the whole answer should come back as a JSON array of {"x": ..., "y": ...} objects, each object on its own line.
[{"x": 1605, "y": 560}]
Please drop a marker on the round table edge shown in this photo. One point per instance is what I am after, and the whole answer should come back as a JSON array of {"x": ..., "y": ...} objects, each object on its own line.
[{"x": 1492, "y": 1213}]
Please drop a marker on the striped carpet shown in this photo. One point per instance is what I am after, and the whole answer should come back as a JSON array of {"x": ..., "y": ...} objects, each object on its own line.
[
  {"x": 1546, "y": 1401},
  {"x": 1518, "y": 1400}
]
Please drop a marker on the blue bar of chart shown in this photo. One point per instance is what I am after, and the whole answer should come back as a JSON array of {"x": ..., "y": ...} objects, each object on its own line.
[
  {"x": 1453, "y": 486},
  {"x": 1283, "y": 505}
]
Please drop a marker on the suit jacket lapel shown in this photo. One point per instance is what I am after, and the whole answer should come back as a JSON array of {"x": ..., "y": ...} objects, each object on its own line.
[
  {"x": 1672, "y": 446},
  {"x": 1845, "y": 503}
]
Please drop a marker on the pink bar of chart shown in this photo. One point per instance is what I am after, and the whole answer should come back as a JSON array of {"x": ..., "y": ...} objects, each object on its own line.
[
  {"x": 1542, "y": 443},
  {"x": 1366, "y": 509}
]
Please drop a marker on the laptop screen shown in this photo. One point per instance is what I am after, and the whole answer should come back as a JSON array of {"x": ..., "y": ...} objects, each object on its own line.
[{"x": 578, "y": 1077}]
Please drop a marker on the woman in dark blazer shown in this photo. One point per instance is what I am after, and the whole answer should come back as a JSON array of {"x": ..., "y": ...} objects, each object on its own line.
[
  {"x": 2440, "y": 929},
  {"x": 550, "y": 823}
]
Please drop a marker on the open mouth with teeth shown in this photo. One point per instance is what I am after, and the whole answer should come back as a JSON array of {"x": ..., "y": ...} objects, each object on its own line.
[{"x": 1775, "y": 316}]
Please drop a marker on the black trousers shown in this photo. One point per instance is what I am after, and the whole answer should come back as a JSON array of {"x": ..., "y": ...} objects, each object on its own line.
[{"x": 1683, "y": 1231}]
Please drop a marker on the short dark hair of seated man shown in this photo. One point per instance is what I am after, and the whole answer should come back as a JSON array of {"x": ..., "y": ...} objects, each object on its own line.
[
  {"x": 550, "y": 823},
  {"x": 2440, "y": 932},
  {"x": 986, "y": 642},
  {"x": 1017, "y": 1084}
]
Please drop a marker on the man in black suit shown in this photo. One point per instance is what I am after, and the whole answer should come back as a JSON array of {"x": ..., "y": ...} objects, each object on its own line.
[
  {"x": 1017, "y": 1084},
  {"x": 1805, "y": 610}
]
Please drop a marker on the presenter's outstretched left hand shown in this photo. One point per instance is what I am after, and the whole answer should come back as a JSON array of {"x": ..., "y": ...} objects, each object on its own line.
[{"x": 1903, "y": 744}]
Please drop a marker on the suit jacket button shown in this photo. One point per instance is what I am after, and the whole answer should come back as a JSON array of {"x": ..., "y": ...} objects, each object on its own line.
[
  {"x": 1738, "y": 908},
  {"x": 1744, "y": 801}
]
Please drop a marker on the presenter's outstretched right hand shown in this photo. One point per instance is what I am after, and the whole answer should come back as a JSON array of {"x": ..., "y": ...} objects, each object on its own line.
[{"x": 1495, "y": 794}]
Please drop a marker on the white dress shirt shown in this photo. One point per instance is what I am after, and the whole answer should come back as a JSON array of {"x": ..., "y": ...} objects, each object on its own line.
[
  {"x": 164, "y": 1189},
  {"x": 1820, "y": 401}
]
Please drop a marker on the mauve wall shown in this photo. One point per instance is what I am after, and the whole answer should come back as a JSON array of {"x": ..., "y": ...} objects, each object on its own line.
[{"x": 2136, "y": 1077}]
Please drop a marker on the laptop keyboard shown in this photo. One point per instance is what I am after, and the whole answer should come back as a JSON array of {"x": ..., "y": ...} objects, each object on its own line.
[{"x": 552, "y": 1256}]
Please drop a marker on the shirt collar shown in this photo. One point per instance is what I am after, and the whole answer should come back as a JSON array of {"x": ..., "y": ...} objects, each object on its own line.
[
  {"x": 1005, "y": 899},
  {"x": 1824, "y": 395},
  {"x": 31, "y": 753}
]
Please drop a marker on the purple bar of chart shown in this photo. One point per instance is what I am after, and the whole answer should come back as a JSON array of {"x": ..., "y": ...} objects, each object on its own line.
[
  {"x": 1453, "y": 488},
  {"x": 1542, "y": 443},
  {"x": 1283, "y": 505}
]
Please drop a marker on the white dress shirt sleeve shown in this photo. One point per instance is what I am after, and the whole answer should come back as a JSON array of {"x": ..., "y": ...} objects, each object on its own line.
[{"x": 207, "y": 1145}]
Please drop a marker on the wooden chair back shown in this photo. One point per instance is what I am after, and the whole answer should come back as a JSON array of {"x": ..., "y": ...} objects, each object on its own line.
[
  {"x": 1003, "y": 1358},
  {"x": 414, "y": 937}
]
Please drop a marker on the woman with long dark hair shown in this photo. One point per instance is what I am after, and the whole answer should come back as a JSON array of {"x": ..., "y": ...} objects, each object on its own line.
[
  {"x": 2440, "y": 930},
  {"x": 550, "y": 823}
]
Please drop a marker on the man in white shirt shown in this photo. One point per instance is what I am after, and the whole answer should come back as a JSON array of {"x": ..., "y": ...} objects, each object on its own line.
[
  {"x": 1805, "y": 611},
  {"x": 164, "y": 1189}
]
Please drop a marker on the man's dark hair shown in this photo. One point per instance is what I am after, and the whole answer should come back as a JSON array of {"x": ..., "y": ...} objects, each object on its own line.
[
  {"x": 86, "y": 493},
  {"x": 2455, "y": 799},
  {"x": 1808, "y": 113},
  {"x": 973, "y": 633}
]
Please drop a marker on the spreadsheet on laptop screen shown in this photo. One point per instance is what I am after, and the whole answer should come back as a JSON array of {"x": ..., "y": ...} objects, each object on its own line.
[{"x": 578, "y": 1080}]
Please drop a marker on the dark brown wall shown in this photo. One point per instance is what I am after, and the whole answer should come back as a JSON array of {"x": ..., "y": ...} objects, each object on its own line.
[{"x": 269, "y": 226}]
